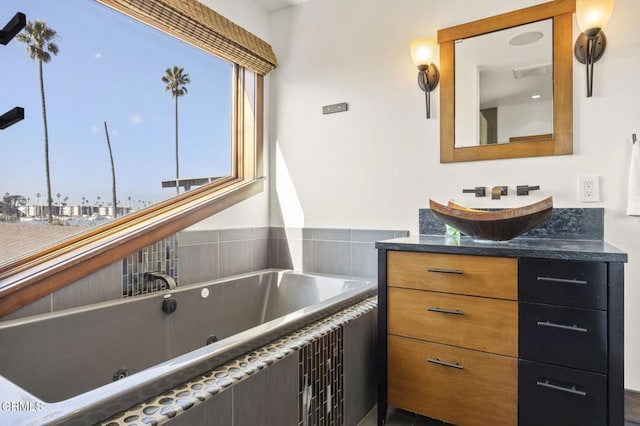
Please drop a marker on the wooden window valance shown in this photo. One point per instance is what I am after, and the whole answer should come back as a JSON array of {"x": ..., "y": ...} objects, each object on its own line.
[{"x": 195, "y": 23}]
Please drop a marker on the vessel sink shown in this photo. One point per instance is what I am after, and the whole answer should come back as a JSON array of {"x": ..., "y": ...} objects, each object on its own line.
[{"x": 493, "y": 225}]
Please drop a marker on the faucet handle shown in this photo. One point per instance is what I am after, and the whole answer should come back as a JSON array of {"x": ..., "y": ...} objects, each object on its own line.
[
  {"x": 497, "y": 191},
  {"x": 480, "y": 191},
  {"x": 524, "y": 189}
]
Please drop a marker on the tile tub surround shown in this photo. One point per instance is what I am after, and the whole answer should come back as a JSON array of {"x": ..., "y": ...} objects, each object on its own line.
[
  {"x": 101, "y": 286},
  {"x": 206, "y": 255},
  {"x": 224, "y": 380},
  {"x": 211, "y": 254},
  {"x": 565, "y": 224},
  {"x": 328, "y": 250}
]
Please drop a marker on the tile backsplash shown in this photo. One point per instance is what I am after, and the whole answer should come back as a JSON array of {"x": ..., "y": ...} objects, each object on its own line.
[{"x": 566, "y": 223}]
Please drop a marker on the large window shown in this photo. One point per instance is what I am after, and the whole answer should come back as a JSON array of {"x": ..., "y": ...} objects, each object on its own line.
[
  {"x": 139, "y": 128},
  {"x": 133, "y": 117}
]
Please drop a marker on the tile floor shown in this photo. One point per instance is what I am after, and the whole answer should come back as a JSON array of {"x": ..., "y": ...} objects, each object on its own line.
[
  {"x": 632, "y": 408},
  {"x": 397, "y": 417}
]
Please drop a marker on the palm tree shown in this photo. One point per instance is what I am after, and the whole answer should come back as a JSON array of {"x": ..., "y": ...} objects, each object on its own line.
[
  {"x": 176, "y": 80},
  {"x": 113, "y": 173},
  {"x": 40, "y": 41}
]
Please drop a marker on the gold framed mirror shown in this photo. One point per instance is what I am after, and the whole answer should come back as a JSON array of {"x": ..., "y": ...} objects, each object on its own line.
[{"x": 560, "y": 141}]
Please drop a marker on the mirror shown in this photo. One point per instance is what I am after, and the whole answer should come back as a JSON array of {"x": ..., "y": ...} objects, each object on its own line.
[
  {"x": 504, "y": 86},
  {"x": 484, "y": 120}
]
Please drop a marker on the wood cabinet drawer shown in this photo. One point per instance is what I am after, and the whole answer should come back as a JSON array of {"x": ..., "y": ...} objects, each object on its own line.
[
  {"x": 475, "y": 388},
  {"x": 452, "y": 273},
  {"x": 572, "y": 337},
  {"x": 563, "y": 282},
  {"x": 551, "y": 395},
  {"x": 490, "y": 325}
]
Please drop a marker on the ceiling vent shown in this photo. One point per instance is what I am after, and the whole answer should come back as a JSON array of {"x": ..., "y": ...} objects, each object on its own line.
[{"x": 532, "y": 71}]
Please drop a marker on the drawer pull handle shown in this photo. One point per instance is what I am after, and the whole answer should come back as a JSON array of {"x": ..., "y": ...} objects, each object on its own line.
[
  {"x": 562, "y": 280},
  {"x": 572, "y": 389},
  {"x": 446, "y": 364},
  {"x": 562, "y": 326},
  {"x": 445, "y": 271},
  {"x": 445, "y": 311}
]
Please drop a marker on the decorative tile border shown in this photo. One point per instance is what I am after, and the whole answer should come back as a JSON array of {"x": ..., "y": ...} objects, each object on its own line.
[
  {"x": 162, "y": 408},
  {"x": 161, "y": 256},
  {"x": 321, "y": 381}
]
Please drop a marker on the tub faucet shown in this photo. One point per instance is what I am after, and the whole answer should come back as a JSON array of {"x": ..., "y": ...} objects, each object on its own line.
[{"x": 170, "y": 283}]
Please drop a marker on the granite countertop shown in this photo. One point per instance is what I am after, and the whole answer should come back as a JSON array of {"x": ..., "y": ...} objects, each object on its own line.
[{"x": 548, "y": 248}]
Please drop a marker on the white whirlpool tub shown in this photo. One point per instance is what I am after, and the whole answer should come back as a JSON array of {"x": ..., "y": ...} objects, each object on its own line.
[{"x": 86, "y": 364}]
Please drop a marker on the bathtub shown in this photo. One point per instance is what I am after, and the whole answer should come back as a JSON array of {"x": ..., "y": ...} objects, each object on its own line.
[{"x": 85, "y": 364}]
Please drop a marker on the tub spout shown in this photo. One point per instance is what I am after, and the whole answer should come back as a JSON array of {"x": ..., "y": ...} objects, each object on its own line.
[{"x": 170, "y": 283}]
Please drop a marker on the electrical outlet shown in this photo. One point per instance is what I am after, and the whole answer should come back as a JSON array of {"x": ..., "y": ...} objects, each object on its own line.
[{"x": 589, "y": 189}]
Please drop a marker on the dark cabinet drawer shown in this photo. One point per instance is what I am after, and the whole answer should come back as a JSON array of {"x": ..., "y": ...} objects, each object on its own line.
[
  {"x": 563, "y": 282},
  {"x": 551, "y": 395},
  {"x": 571, "y": 337}
]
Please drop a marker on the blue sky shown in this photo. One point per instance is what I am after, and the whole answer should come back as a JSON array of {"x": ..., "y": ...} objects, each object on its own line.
[{"x": 109, "y": 68}]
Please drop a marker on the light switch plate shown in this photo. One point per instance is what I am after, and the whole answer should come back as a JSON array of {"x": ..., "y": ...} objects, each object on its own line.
[{"x": 330, "y": 109}]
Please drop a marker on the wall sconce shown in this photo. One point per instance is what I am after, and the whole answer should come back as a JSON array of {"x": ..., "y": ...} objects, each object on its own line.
[
  {"x": 423, "y": 50},
  {"x": 7, "y": 33},
  {"x": 12, "y": 28},
  {"x": 11, "y": 117},
  {"x": 592, "y": 16}
]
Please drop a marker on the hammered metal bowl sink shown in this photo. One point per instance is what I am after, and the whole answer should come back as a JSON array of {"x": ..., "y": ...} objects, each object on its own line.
[{"x": 493, "y": 225}]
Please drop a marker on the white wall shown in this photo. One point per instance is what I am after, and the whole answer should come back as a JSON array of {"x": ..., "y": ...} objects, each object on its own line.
[
  {"x": 244, "y": 13},
  {"x": 531, "y": 118},
  {"x": 467, "y": 95},
  {"x": 253, "y": 212},
  {"x": 377, "y": 164}
]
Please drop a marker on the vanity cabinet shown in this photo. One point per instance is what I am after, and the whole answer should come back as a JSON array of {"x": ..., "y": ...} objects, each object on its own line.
[
  {"x": 451, "y": 337},
  {"x": 500, "y": 335},
  {"x": 563, "y": 342}
]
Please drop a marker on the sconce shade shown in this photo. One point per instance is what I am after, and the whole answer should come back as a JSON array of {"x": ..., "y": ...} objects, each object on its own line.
[
  {"x": 423, "y": 50},
  {"x": 593, "y": 15}
]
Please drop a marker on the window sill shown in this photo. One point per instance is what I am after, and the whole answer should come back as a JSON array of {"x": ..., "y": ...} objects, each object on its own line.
[{"x": 77, "y": 257}]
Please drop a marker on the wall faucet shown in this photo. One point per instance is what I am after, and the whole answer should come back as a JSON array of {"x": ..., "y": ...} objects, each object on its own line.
[
  {"x": 170, "y": 283},
  {"x": 524, "y": 189},
  {"x": 480, "y": 191},
  {"x": 497, "y": 191}
]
